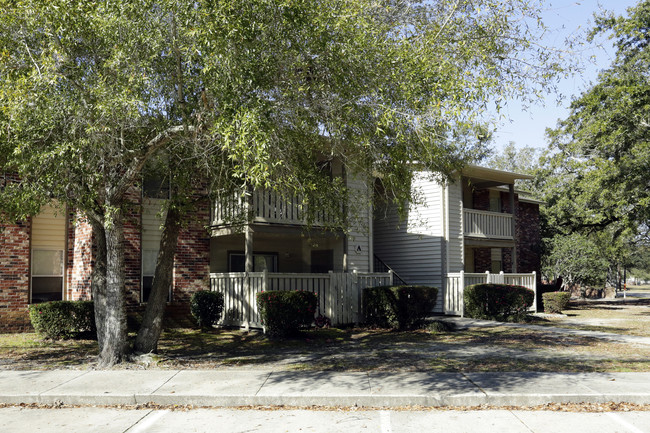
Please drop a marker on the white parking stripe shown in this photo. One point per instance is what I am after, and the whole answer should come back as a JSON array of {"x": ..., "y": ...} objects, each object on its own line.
[
  {"x": 624, "y": 423},
  {"x": 148, "y": 421},
  {"x": 384, "y": 421}
]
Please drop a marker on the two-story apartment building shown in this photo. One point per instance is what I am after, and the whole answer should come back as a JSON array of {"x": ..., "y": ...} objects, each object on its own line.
[{"x": 465, "y": 225}]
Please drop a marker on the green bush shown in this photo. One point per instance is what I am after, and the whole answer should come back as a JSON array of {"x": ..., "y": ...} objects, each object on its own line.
[
  {"x": 398, "y": 307},
  {"x": 63, "y": 319},
  {"x": 284, "y": 312},
  {"x": 206, "y": 307},
  {"x": 497, "y": 302},
  {"x": 541, "y": 289},
  {"x": 555, "y": 302}
]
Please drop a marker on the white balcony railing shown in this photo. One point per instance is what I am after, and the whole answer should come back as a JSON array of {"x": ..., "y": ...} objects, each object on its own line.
[
  {"x": 489, "y": 225},
  {"x": 265, "y": 207}
]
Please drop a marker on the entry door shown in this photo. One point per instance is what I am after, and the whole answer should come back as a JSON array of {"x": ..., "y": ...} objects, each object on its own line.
[{"x": 322, "y": 261}]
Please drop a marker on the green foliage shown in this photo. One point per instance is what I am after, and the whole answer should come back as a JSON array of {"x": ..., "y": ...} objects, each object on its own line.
[
  {"x": 398, "y": 307},
  {"x": 206, "y": 307},
  {"x": 63, "y": 319},
  {"x": 497, "y": 302},
  {"x": 601, "y": 164},
  {"x": 249, "y": 94},
  {"x": 283, "y": 313},
  {"x": 556, "y": 302},
  {"x": 577, "y": 258}
]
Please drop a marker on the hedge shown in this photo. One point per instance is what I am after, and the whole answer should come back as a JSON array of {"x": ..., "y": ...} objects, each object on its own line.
[
  {"x": 63, "y": 319},
  {"x": 206, "y": 307},
  {"x": 497, "y": 301},
  {"x": 555, "y": 302},
  {"x": 283, "y": 313},
  {"x": 398, "y": 307}
]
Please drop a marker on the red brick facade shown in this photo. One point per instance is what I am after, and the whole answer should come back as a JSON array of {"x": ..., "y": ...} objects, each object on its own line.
[
  {"x": 191, "y": 267},
  {"x": 14, "y": 276},
  {"x": 80, "y": 258},
  {"x": 192, "y": 260},
  {"x": 132, "y": 253}
]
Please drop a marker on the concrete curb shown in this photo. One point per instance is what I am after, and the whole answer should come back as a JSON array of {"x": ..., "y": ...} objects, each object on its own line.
[{"x": 222, "y": 388}]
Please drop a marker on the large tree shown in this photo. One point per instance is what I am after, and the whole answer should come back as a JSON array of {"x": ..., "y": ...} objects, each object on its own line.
[
  {"x": 595, "y": 178},
  {"x": 600, "y": 168},
  {"x": 246, "y": 93}
]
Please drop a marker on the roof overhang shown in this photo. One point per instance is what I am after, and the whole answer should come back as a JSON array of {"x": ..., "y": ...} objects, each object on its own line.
[{"x": 482, "y": 177}]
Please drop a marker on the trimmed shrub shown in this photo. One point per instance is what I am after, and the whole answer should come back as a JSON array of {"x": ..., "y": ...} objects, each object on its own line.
[
  {"x": 541, "y": 289},
  {"x": 500, "y": 302},
  {"x": 398, "y": 307},
  {"x": 283, "y": 313},
  {"x": 63, "y": 319},
  {"x": 555, "y": 302},
  {"x": 206, "y": 307}
]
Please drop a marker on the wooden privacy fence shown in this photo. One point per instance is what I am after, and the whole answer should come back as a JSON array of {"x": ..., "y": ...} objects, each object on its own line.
[
  {"x": 455, "y": 284},
  {"x": 339, "y": 293}
]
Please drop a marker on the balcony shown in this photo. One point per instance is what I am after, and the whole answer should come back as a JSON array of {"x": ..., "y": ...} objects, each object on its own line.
[
  {"x": 266, "y": 207},
  {"x": 487, "y": 225}
]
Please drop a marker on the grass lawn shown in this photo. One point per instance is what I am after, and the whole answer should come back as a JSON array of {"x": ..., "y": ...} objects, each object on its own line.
[
  {"x": 496, "y": 348},
  {"x": 631, "y": 317}
]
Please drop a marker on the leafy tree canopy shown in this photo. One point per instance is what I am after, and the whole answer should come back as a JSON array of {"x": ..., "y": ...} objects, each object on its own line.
[
  {"x": 245, "y": 93},
  {"x": 599, "y": 175}
]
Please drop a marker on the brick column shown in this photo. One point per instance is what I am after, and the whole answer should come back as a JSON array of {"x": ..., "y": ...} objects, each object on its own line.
[{"x": 14, "y": 277}]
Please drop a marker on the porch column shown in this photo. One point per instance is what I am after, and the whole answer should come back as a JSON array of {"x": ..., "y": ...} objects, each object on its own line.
[
  {"x": 511, "y": 187},
  {"x": 248, "y": 248}
]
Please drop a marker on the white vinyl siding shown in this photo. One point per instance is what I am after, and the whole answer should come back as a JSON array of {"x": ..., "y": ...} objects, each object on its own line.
[
  {"x": 413, "y": 248},
  {"x": 359, "y": 214},
  {"x": 152, "y": 220},
  {"x": 455, "y": 241}
]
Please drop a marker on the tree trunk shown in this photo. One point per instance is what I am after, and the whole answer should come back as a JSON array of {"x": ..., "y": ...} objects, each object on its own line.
[
  {"x": 147, "y": 339},
  {"x": 98, "y": 281},
  {"x": 114, "y": 347}
]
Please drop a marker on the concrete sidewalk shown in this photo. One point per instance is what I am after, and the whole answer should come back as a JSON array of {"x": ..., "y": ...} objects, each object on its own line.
[{"x": 227, "y": 388}]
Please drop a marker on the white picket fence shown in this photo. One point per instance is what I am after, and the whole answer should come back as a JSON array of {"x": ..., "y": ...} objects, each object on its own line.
[
  {"x": 339, "y": 293},
  {"x": 455, "y": 284}
]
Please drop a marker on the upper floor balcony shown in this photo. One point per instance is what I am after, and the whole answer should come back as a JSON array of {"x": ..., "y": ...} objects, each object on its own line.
[
  {"x": 487, "y": 225},
  {"x": 266, "y": 207}
]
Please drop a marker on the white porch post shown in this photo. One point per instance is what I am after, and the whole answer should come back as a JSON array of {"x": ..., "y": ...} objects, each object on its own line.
[
  {"x": 535, "y": 291},
  {"x": 462, "y": 294},
  {"x": 514, "y": 227}
]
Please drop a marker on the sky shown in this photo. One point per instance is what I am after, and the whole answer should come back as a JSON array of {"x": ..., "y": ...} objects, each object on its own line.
[{"x": 563, "y": 18}]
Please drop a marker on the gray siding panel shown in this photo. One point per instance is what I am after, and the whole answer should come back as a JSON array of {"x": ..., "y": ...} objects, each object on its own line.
[{"x": 413, "y": 248}]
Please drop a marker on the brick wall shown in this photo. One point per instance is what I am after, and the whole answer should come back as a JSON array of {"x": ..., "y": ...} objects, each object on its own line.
[
  {"x": 132, "y": 253},
  {"x": 14, "y": 277},
  {"x": 80, "y": 258},
  {"x": 529, "y": 238},
  {"x": 481, "y": 199},
  {"x": 192, "y": 259},
  {"x": 482, "y": 259}
]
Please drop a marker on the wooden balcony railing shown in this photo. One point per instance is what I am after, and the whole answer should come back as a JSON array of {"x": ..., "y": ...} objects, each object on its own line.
[
  {"x": 265, "y": 207},
  {"x": 489, "y": 225}
]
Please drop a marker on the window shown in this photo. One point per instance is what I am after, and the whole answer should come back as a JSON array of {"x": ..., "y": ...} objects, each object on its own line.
[
  {"x": 261, "y": 262},
  {"x": 495, "y": 201},
  {"x": 497, "y": 260},
  {"x": 47, "y": 275},
  {"x": 48, "y": 239}
]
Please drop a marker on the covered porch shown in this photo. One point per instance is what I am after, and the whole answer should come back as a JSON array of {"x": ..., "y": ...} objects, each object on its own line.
[{"x": 339, "y": 293}]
